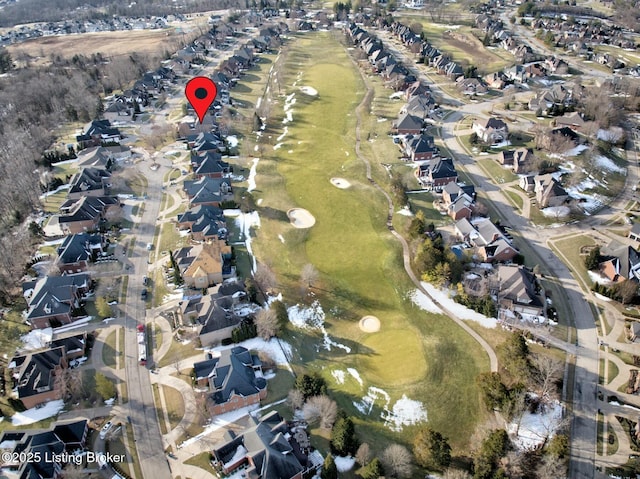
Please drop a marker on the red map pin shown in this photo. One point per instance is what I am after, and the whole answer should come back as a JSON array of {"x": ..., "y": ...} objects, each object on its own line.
[{"x": 201, "y": 91}]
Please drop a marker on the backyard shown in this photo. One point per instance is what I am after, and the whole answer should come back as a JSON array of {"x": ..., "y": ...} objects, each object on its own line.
[{"x": 420, "y": 355}]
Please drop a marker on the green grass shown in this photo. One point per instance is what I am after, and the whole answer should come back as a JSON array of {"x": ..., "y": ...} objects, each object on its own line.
[
  {"x": 360, "y": 263},
  {"x": 109, "y": 350},
  {"x": 179, "y": 350},
  {"x": 137, "y": 184},
  {"x": 203, "y": 461},
  {"x": 159, "y": 290},
  {"x": 175, "y": 405},
  {"x": 116, "y": 447},
  {"x": 613, "y": 371},
  {"x": 52, "y": 202},
  {"x": 424, "y": 202},
  {"x": 496, "y": 171},
  {"x": 514, "y": 197},
  {"x": 612, "y": 447},
  {"x": 121, "y": 346},
  {"x": 170, "y": 239},
  {"x": 279, "y": 386},
  {"x": 158, "y": 403},
  {"x": 600, "y": 433},
  {"x": 570, "y": 254}
]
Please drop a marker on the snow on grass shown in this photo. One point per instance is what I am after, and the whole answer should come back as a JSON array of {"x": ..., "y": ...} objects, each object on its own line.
[
  {"x": 338, "y": 375},
  {"x": 365, "y": 405},
  {"x": 608, "y": 164},
  {"x": 405, "y": 412},
  {"x": 218, "y": 422},
  {"x": 275, "y": 348},
  {"x": 246, "y": 221},
  {"x": 307, "y": 90},
  {"x": 575, "y": 151},
  {"x": 313, "y": 317},
  {"x": 405, "y": 211},
  {"x": 398, "y": 94},
  {"x": 462, "y": 312},
  {"x": 556, "y": 211},
  {"x": 344, "y": 464},
  {"x": 252, "y": 175},
  {"x": 76, "y": 324},
  {"x": 277, "y": 146},
  {"x": 423, "y": 302},
  {"x": 232, "y": 141},
  {"x": 37, "y": 339},
  {"x": 281, "y": 238},
  {"x": 50, "y": 409},
  {"x": 589, "y": 203},
  {"x": 534, "y": 428},
  {"x": 355, "y": 374}
]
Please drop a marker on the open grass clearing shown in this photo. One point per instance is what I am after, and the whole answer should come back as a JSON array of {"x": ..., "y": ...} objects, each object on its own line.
[
  {"x": 498, "y": 173},
  {"x": 178, "y": 350},
  {"x": 203, "y": 461},
  {"x": 279, "y": 386},
  {"x": 109, "y": 350},
  {"x": 613, "y": 372},
  {"x": 170, "y": 238},
  {"x": 612, "y": 441},
  {"x": 360, "y": 264},
  {"x": 175, "y": 405},
  {"x": 53, "y": 201},
  {"x": 514, "y": 197},
  {"x": 158, "y": 403},
  {"x": 570, "y": 253}
]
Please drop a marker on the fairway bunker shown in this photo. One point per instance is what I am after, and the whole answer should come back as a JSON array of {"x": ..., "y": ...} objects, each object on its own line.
[
  {"x": 301, "y": 218},
  {"x": 370, "y": 324},
  {"x": 307, "y": 90},
  {"x": 340, "y": 183}
]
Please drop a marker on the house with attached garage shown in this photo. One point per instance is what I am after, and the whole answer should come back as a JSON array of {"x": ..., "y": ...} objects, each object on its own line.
[
  {"x": 35, "y": 375},
  {"x": 491, "y": 130},
  {"x": 518, "y": 291},
  {"x": 549, "y": 192},
  {"x": 89, "y": 182},
  {"x": 437, "y": 174},
  {"x": 205, "y": 264},
  {"x": 233, "y": 380},
  {"x": 621, "y": 263},
  {"x": 205, "y": 222},
  {"x": 210, "y": 164},
  {"x": 420, "y": 147},
  {"x": 86, "y": 213},
  {"x": 490, "y": 242},
  {"x": 520, "y": 160},
  {"x": 208, "y": 191},
  {"x": 266, "y": 449},
  {"x": 97, "y": 133},
  {"x": 408, "y": 124},
  {"x": 77, "y": 251}
]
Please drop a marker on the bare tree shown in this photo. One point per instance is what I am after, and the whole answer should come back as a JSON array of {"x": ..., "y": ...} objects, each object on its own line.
[
  {"x": 68, "y": 383},
  {"x": 265, "y": 278},
  {"x": 322, "y": 409},
  {"x": 308, "y": 275},
  {"x": 551, "y": 468},
  {"x": 456, "y": 474},
  {"x": 546, "y": 373},
  {"x": 363, "y": 454},
  {"x": 397, "y": 461},
  {"x": 267, "y": 324},
  {"x": 295, "y": 399}
]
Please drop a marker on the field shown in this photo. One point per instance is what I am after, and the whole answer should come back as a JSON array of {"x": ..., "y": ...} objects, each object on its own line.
[
  {"x": 111, "y": 44},
  {"x": 420, "y": 355}
]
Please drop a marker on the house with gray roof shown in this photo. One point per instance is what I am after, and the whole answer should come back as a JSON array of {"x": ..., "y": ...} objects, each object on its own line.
[
  {"x": 490, "y": 242},
  {"x": 233, "y": 379},
  {"x": 89, "y": 182},
  {"x": 76, "y": 251},
  {"x": 35, "y": 375},
  {"x": 204, "y": 221},
  {"x": 491, "y": 130},
  {"x": 86, "y": 213},
  {"x": 408, "y": 124},
  {"x": 518, "y": 291},
  {"x": 266, "y": 448},
  {"x": 210, "y": 164},
  {"x": 208, "y": 191}
]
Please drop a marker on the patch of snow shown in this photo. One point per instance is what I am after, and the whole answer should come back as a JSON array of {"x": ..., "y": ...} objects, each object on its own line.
[
  {"x": 232, "y": 141},
  {"x": 381, "y": 120},
  {"x": 556, "y": 211},
  {"x": 246, "y": 221},
  {"x": 252, "y": 175},
  {"x": 423, "y": 302},
  {"x": 53, "y": 192},
  {"x": 37, "y": 339},
  {"x": 575, "y": 151},
  {"x": 502, "y": 144},
  {"x": 405, "y": 211},
  {"x": 240, "y": 453},
  {"x": 50, "y": 409},
  {"x": 608, "y": 164},
  {"x": 220, "y": 421},
  {"x": 275, "y": 348},
  {"x": 355, "y": 374},
  {"x": 109, "y": 402},
  {"x": 76, "y": 324},
  {"x": 338, "y": 375},
  {"x": 231, "y": 213},
  {"x": 405, "y": 412},
  {"x": 344, "y": 464},
  {"x": 277, "y": 146},
  {"x": 313, "y": 317},
  {"x": 256, "y": 147},
  {"x": 462, "y": 312},
  {"x": 307, "y": 90},
  {"x": 281, "y": 238},
  {"x": 398, "y": 94},
  {"x": 534, "y": 428},
  {"x": 365, "y": 405}
]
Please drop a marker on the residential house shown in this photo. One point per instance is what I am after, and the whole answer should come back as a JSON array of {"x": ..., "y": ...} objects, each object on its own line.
[
  {"x": 210, "y": 164},
  {"x": 495, "y": 80},
  {"x": 97, "y": 133},
  {"x": 208, "y": 191},
  {"x": 417, "y": 89},
  {"x": 419, "y": 106},
  {"x": 634, "y": 234},
  {"x": 205, "y": 222},
  {"x": 35, "y": 375},
  {"x": 53, "y": 299},
  {"x": 491, "y": 130},
  {"x": 518, "y": 291},
  {"x": 58, "y": 442},
  {"x": 437, "y": 175},
  {"x": 547, "y": 99},
  {"x": 77, "y": 251},
  {"x": 420, "y": 147},
  {"x": 458, "y": 200},
  {"x": 102, "y": 157},
  {"x": 86, "y": 213},
  {"x": 572, "y": 120},
  {"x": 527, "y": 183},
  {"x": 75, "y": 346},
  {"x": 563, "y": 136},
  {"x": 556, "y": 65},
  {"x": 634, "y": 336},
  {"x": 490, "y": 242},
  {"x": 408, "y": 124},
  {"x": 234, "y": 380},
  {"x": 266, "y": 449},
  {"x": 549, "y": 192},
  {"x": 89, "y": 182},
  {"x": 118, "y": 111},
  {"x": 471, "y": 86},
  {"x": 520, "y": 160},
  {"x": 622, "y": 263},
  {"x": 205, "y": 142},
  {"x": 205, "y": 264}
]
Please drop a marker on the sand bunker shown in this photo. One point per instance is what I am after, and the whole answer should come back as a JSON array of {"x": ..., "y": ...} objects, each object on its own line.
[
  {"x": 301, "y": 218},
  {"x": 307, "y": 90},
  {"x": 340, "y": 183},
  {"x": 370, "y": 324}
]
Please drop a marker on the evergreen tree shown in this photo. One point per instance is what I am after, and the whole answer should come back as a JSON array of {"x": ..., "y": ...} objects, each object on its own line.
[
  {"x": 431, "y": 449},
  {"x": 311, "y": 385},
  {"x": 329, "y": 469},
  {"x": 373, "y": 470},
  {"x": 105, "y": 386},
  {"x": 343, "y": 437}
]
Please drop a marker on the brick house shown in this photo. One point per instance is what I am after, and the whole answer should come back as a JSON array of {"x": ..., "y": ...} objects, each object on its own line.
[
  {"x": 86, "y": 213},
  {"x": 77, "y": 251},
  {"x": 205, "y": 223},
  {"x": 491, "y": 131},
  {"x": 438, "y": 175},
  {"x": 234, "y": 380},
  {"x": 35, "y": 375},
  {"x": 203, "y": 265},
  {"x": 490, "y": 243}
]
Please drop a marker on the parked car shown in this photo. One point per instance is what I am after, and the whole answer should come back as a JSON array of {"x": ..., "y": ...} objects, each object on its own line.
[
  {"x": 145, "y": 280},
  {"x": 143, "y": 294},
  {"x": 105, "y": 429}
]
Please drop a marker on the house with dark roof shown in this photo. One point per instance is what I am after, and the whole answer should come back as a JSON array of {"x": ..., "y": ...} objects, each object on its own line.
[
  {"x": 549, "y": 191},
  {"x": 518, "y": 291},
  {"x": 102, "y": 157},
  {"x": 50, "y": 444},
  {"x": 634, "y": 234},
  {"x": 35, "y": 375},
  {"x": 86, "y": 213},
  {"x": 520, "y": 160},
  {"x": 458, "y": 200},
  {"x": 89, "y": 182},
  {"x": 205, "y": 264},
  {"x": 208, "y": 191},
  {"x": 76, "y": 251},
  {"x": 210, "y": 164},
  {"x": 234, "y": 380},
  {"x": 420, "y": 147},
  {"x": 53, "y": 299},
  {"x": 490, "y": 242},
  {"x": 419, "y": 106},
  {"x": 97, "y": 133},
  {"x": 265, "y": 448},
  {"x": 407, "y": 124},
  {"x": 491, "y": 130},
  {"x": 621, "y": 263},
  {"x": 205, "y": 222},
  {"x": 437, "y": 175},
  {"x": 75, "y": 346}
]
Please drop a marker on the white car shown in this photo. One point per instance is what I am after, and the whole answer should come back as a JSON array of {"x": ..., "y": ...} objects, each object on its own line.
[{"x": 105, "y": 429}]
